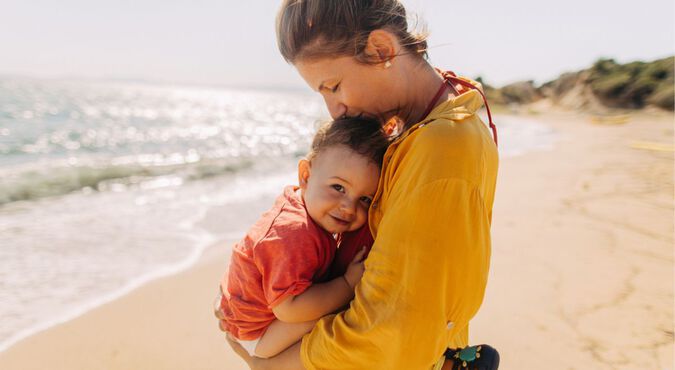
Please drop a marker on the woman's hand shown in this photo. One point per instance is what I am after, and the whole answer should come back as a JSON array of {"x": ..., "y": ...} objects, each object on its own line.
[
  {"x": 355, "y": 269},
  {"x": 218, "y": 310}
]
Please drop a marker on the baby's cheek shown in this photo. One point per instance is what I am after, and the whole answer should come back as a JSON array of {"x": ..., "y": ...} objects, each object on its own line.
[
  {"x": 362, "y": 216},
  {"x": 313, "y": 211}
]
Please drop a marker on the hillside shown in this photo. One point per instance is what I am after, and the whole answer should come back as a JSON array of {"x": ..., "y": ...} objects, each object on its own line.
[{"x": 605, "y": 85}]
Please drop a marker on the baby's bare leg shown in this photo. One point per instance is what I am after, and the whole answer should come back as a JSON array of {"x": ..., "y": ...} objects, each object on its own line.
[{"x": 281, "y": 335}]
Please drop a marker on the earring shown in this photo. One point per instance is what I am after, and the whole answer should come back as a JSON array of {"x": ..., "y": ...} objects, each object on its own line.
[{"x": 387, "y": 64}]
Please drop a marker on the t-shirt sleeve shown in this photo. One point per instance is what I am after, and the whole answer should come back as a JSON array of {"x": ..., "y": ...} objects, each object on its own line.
[
  {"x": 424, "y": 280},
  {"x": 287, "y": 259}
]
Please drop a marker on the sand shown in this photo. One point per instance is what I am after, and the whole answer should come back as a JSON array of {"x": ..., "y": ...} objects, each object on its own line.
[{"x": 581, "y": 277}]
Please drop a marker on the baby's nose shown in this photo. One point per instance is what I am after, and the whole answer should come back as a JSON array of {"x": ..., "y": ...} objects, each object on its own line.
[{"x": 348, "y": 209}]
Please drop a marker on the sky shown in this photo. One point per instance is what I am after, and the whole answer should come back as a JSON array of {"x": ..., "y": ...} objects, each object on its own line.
[{"x": 232, "y": 43}]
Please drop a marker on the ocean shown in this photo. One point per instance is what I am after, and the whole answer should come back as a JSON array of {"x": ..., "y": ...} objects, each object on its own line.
[{"x": 106, "y": 185}]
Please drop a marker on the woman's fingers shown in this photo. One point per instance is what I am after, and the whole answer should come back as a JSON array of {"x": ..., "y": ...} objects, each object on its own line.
[
  {"x": 221, "y": 325},
  {"x": 217, "y": 310}
]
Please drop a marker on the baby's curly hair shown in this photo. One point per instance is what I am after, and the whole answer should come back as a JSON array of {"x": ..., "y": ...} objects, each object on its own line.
[{"x": 364, "y": 136}]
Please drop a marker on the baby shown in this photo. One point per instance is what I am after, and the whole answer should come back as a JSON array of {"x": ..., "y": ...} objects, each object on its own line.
[{"x": 280, "y": 280}]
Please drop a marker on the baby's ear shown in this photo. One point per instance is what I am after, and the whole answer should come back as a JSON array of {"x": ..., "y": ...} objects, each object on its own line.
[{"x": 304, "y": 168}]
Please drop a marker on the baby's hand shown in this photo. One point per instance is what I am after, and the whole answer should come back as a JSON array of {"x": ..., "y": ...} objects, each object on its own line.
[{"x": 355, "y": 269}]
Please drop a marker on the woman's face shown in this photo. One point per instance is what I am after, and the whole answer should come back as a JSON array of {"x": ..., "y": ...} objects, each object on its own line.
[{"x": 350, "y": 88}]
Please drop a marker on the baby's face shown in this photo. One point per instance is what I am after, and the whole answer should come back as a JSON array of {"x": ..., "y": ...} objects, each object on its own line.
[{"x": 339, "y": 188}]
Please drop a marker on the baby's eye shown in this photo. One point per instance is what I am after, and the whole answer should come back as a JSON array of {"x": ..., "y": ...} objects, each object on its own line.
[
  {"x": 338, "y": 187},
  {"x": 366, "y": 201}
]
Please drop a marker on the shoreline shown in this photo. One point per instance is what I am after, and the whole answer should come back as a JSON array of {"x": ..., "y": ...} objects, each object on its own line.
[
  {"x": 206, "y": 232},
  {"x": 87, "y": 327},
  {"x": 167, "y": 271},
  {"x": 578, "y": 154}
]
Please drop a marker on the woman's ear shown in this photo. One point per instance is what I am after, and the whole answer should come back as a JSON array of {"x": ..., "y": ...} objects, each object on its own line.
[
  {"x": 382, "y": 46},
  {"x": 304, "y": 168}
]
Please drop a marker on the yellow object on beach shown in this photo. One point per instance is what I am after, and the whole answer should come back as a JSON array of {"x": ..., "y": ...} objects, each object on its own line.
[
  {"x": 426, "y": 274},
  {"x": 611, "y": 120},
  {"x": 653, "y": 146}
]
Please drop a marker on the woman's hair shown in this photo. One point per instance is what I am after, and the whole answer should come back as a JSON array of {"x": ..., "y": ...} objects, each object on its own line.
[
  {"x": 313, "y": 29},
  {"x": 362, "y": 135}
]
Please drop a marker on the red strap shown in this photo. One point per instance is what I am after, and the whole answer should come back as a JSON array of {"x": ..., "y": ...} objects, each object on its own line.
[
  {"x": 434, "y": 100},
  {"x": 451, "y": 78}
]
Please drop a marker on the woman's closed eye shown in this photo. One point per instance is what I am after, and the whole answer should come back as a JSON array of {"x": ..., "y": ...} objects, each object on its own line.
[{"x": 335, "y": 88}]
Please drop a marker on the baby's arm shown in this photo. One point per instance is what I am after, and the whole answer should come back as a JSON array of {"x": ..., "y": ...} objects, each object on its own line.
[
  {"x": 281, "y": 335},
  {"x": 322, "y": 299},
  {"x": 296, "y": 315}
]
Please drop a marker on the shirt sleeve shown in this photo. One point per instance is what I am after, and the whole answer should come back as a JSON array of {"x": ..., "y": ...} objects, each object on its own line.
[
  {"x": 287, "y": 261},
  {"x": 424, "y": 279}
]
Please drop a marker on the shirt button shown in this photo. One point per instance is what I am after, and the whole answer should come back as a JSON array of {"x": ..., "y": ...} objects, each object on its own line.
[{"x": 450, "y": 325}]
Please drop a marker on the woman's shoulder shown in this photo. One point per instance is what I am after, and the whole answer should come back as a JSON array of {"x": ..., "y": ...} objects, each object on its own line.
[
  {"x": 444, "y": 149},
  {"x": 465, "y": 139}
]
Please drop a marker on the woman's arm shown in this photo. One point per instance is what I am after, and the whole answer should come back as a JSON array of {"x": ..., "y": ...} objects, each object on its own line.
[
  {"x": 287, "y": 360},
  {"x": 322, "y": 299}
]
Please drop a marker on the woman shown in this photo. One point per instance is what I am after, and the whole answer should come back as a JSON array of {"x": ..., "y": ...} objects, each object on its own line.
[{"x": 427, "y": 271}]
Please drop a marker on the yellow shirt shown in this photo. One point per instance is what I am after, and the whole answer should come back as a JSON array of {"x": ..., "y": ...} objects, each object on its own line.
[{"x": 426, "y": 274}]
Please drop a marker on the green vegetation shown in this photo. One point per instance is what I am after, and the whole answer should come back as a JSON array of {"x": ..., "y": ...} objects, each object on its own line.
[
  {"x": 493, "y": 95},
  {"x": 521, "y": 92},
  {"x": 633, "y": 85},
  {"x": 626, "y": 86}
]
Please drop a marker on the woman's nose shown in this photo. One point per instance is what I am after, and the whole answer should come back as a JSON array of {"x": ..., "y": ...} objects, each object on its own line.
[{"x": 335, "y": 108}]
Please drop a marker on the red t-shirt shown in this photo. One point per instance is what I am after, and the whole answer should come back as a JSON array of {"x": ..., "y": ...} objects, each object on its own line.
[
  {"x": 350, "y": 244},
  {"x": 282, "y": 254}
]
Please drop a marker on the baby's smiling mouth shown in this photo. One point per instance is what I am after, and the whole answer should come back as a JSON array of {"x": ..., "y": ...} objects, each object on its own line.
[{"x": 340, "y": 221}]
